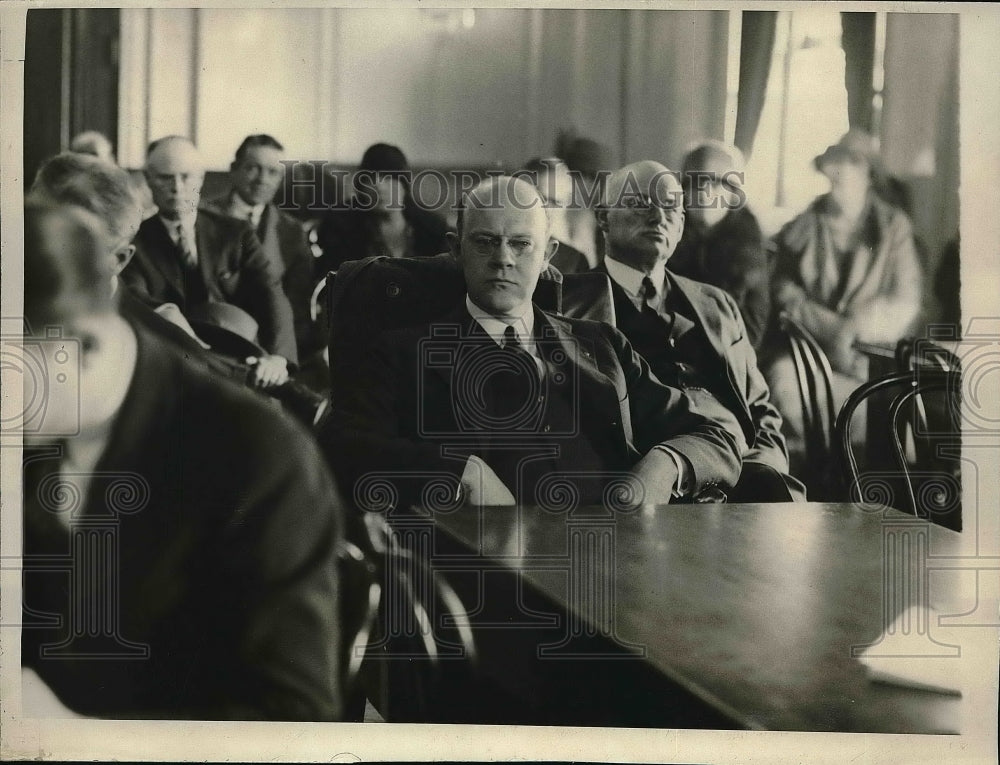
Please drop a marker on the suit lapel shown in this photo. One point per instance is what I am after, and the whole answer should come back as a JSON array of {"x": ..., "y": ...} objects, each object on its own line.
[
  {"x": 624, "y": 307},
  {"x": 598, "y": 395},
  {"x": 703, "y": 320},
  {"x": 270, "y": 239},
  {"x": 456, "y": 326},
  {"x": 211, "y": 259},
  {"x": 164, "y": 255}
]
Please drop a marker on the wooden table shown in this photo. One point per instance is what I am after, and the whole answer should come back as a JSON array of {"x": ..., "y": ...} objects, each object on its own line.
[{"x": 709, "y": 616}]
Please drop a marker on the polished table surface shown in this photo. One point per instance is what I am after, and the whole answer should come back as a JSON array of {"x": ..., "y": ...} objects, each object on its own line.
[{"x": 749, "y": 612}]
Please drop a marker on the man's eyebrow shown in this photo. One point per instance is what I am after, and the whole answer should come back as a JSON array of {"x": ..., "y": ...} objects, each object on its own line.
[{"x": 495, "y": 235}]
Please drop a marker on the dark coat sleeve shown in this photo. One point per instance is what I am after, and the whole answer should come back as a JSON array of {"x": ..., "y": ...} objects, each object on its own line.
[
  {"x": 768, "y": 443},
  {"x": 691, "y": 422},
  {"x": 371, "y": 437},
  {"x": 263, "y": 297}
]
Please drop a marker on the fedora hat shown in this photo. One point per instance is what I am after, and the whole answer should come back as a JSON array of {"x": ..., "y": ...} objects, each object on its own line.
[{"x": 227, "y": 328}]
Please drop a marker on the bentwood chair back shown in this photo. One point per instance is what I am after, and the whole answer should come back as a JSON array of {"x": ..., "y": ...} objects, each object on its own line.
[
  {"x": 928, "y": 482},
  {"x": 814, "y": 376}
]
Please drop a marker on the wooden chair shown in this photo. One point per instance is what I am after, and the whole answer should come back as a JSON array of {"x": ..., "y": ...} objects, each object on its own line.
[
  {"x": 911, "y": 352},
  {"x": 812, "y": 369},
  {"x": 421, "y": 640},
  {"x": 928, "y": 484}
]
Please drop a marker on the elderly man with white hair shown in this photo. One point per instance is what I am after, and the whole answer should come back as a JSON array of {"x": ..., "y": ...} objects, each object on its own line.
[
  {"x": 691, "y": 333},
  {"x": 193, "y": 257}
]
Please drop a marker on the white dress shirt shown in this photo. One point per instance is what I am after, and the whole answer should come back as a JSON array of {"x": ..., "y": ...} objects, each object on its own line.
[
  {"x": 523, "y": 325},
  {"x": 240, "y": 209},
  {"x": 630, "y": 280}
]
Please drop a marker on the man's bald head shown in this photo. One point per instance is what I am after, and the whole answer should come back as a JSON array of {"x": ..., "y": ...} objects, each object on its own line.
[
  {"x": 713, "y": 181},
  {"x": 642, "y": 214},
  {"x": 502, "y": 243},
  {"x": 500, "y": 191},
  {"x": 647, "y": 179},
  {"x": 175, "y": 172}
]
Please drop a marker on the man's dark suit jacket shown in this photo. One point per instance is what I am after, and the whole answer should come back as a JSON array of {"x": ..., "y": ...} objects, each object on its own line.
[
  {"x": 286, "y": 245},
  {"x": 731, "y": 256},
  {"x": 734, "y": 378},
  {"x": 224, "y": 523},
  {"x": 398, "y": 417},
  {"x": 232, "y": 265}
]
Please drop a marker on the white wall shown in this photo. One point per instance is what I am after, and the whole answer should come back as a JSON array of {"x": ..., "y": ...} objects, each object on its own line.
[{"x": 451, "y": 87}]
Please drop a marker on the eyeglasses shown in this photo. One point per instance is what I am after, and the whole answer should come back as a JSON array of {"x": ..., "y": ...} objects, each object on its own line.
[{"x": 637, "y": 203}]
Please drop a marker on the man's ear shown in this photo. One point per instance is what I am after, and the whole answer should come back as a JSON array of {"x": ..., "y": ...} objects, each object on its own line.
[
  {"x": 601, "y": 214},
  {"x": 122, "y": 258},
  {"x": 454, "y": 244},
  {"x": 550, "y": 249}
]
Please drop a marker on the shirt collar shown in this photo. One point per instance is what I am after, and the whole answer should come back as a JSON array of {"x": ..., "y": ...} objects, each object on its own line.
[
  {"x": 238, "y": 208},
  {"x": 173, "y": 225},
  {"x": 630, "y": 279},
  {"x": 524, "y": 324}
]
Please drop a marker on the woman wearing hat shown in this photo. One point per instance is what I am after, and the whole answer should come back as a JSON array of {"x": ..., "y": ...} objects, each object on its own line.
[
  {"x": 847, "y": 269},
  {"x": 382, "y": 218}
]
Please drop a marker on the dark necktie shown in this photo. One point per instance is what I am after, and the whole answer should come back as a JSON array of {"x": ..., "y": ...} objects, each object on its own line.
[
  {"x": 649, "y": 294},
  {"x": 514, "y": 385},
  {"x": 651, "y": 304}
]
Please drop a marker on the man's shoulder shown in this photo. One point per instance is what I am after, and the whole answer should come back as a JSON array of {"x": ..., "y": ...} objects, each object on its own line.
[
  {"x": 219, "y": 220},
  {"x": 219, "y": 204},
  {"x": 150, "y": 226},
  {"x": 708, "y": 293}
]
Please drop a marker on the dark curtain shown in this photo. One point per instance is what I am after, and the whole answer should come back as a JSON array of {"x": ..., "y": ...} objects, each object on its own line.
[
  {"x": 756, "y": 45},
  {"x": 858, "y": 42}
]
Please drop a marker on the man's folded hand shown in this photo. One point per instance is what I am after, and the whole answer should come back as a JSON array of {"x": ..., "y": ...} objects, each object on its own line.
[{"x": 269, "y": 371}]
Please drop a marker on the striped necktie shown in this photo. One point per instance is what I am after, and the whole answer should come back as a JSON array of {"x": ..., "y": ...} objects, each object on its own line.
[{"x": 186, "y": 243}]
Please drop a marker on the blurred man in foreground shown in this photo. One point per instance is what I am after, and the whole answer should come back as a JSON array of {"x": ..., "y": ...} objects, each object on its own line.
[{"x": 182, "y": 532}]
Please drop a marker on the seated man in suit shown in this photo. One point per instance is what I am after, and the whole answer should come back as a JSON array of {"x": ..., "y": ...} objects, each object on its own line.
[
  {"x": 501, "y": 402},
  {"x": 181, "y": 532},
  {"x": 256, "y": 174},
  {"x": 192, "y": 257},
  {"x": 691, "y": 333},
  {"x": 722, "y": 243}
]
